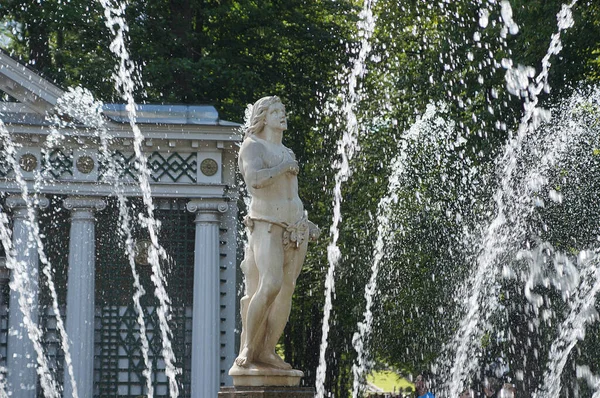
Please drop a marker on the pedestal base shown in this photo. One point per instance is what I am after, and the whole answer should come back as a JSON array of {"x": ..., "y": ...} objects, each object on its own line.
[
  {"x": 266, "y": 392},
  {"x": 263, "y": 377}
]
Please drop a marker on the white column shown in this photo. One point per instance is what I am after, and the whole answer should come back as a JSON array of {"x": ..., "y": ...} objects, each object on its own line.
[
  {"x": 21, "y": 356},
  {"x": 205, "y": 315},
  {"x": 80, "y": 295}
]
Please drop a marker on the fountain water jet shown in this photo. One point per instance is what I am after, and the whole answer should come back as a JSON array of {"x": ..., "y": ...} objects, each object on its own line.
[
  {"x": 21, "y": 284},
  {"x": 492, "y": 243},
  {"x": 347, "y": 146},
  {"x": 115, "y": 21},
  {"x": 384, "y": 232}
]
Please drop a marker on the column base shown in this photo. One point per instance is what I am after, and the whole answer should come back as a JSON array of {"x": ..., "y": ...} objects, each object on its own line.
[{"x": 266, "y": 392}]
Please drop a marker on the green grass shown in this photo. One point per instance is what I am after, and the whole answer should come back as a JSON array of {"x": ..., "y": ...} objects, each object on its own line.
[{"x": 387, "y": 381}]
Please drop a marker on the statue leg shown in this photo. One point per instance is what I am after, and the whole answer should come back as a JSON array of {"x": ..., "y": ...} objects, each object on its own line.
[
  {"x": 250, "y": 271},
  {"x": 268, "y": 256},
  {"x": 280, "y": 310}
]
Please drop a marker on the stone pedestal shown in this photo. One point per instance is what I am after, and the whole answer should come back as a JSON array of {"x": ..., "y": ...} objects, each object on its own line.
[
  {"x": 257, "y": 376},
  {"x": 266, "y": 392}
]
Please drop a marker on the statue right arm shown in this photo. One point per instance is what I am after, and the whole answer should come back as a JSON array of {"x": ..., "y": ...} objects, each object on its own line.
[{"x": 254, "y": 172}]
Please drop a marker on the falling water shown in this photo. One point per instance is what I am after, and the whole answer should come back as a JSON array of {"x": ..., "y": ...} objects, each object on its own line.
[
  {"x": 521, "y": 81},
  {"x": 482, "y": 301},
  {"x": 572, "y": 329},
  {"x": 115, "y": 21},
  {"x": 584, "y": 372},
  {"x": 384, "y": 208},
  {"x": 21, "y": 282},
  {"x": 578, "y": 284},
  {"x": 47, "y": 270},
  {"x": 346, "y": 148},
  {"x": 80, "y": 105}
]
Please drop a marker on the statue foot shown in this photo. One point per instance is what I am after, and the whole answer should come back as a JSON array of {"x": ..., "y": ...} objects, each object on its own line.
[
  {"x": 273, "y": 360},
  {"x": 243, "y": 360}
]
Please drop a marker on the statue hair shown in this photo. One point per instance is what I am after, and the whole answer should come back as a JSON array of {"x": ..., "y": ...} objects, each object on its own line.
[{"x": 256, "y": 121}]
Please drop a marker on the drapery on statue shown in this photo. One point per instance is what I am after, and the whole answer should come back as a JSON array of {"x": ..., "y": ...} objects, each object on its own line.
[{"x": 278, "y": 234}]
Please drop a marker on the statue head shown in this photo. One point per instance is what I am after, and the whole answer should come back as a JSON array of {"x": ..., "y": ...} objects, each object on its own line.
[{"x": 256, "y": 120}]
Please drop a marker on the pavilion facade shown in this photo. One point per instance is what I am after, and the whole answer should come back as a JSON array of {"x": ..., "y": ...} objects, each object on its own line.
[{"x": 82, "y": 267}]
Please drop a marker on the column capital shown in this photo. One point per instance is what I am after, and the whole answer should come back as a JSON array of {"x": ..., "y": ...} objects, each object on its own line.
[
  {"x": 84, "y": 204},
  {"x": 207, "y": 210},
  {"x": 17, "y": 203},
  {"x": 207, "y": 206}
]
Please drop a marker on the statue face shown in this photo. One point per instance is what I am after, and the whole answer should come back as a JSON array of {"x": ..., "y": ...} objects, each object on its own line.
[{"x": 275, "y": 117}]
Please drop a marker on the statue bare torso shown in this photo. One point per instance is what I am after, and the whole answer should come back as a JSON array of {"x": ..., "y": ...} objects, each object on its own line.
[{"x": 280, "y": 202}]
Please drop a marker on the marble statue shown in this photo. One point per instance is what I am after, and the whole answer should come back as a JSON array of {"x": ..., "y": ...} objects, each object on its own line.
[{"x": 278, "y": 233}]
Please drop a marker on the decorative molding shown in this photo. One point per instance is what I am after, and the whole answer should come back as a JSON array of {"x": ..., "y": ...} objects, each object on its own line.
[
  {"x": 85, "y": 164},
  {"x": 128, "y": 188},
  {"x": 141, "y": 250},
  {"x": 57, "y": 163},
  {"x": 124, "y": 166},
  {"x": 28, "y": 162},
  {"x": 84, "y": 204},
  {"x": 209, "y": 167},
  {"x": 210, "y": 170},
  {"x": 207, "y": 206},
  {"x": 164, "y": 167},
  {"x": 15, "y": 202},
  {"x": 173, "y": 166},
  {"x": 26, "y": 86}
]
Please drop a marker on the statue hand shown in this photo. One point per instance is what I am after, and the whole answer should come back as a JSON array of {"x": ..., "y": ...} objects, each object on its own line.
[
  {"x": 291, "y": 167},
  {"x": 313, "y": 231}
]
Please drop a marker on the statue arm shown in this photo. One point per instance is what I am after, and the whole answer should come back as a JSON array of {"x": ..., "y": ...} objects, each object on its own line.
[
  {"x": 256, "y": 175},
  {"x": 261, "y": 178}
]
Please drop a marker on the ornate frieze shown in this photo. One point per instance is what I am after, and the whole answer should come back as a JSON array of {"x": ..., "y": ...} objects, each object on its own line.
[
  {"x": 77, "y": 165},
  {"x": 57, "y": 163},
  {"x": 164, "y": 167},
  {"x": 87, "y": 164},
  {"x": 173, "y": 167}
]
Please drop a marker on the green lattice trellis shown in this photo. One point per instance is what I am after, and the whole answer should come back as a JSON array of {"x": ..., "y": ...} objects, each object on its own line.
[
  {"x": 54, "y": 225},
  {"x": 119, "y": 364},
  {"x": 51, "y": 341},
  {"x": 119, "y": 361}
]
